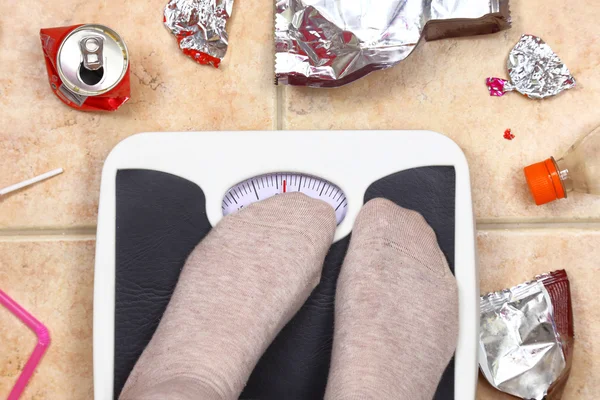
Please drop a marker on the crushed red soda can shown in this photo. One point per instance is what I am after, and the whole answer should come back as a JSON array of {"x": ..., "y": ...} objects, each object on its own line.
[
  {"x": 526, "y": 337},
  {"x": 199, "y": 26},
  {"x": 88, "y": 66},
  {"x": 534, "y": 69}
]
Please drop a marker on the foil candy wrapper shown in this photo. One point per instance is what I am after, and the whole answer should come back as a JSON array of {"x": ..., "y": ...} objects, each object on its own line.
[
  {"x": 535, "y": 71},
  {"x": 326, "y": 43},
  {"x": 526, "y": 337},
  {"x": 199, "y": 26}
]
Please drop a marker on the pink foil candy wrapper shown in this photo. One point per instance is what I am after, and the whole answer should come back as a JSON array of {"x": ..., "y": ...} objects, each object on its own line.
[
  {"x": 535, "y": 71},
  {"x": 199, "y": 26},
  {"x": 498, "y": 86},
  {"x": 327, "y": 43}
]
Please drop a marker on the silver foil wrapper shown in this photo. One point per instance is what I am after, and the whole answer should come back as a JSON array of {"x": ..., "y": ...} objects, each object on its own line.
[
  {"x": 326, "y": 43},
  {"x": 534, "y": 70},
  {"x": 199, "y": 26},
  {"x": 520, "y": 352}
]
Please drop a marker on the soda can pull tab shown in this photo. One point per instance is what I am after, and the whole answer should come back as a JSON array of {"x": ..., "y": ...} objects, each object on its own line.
[{"x": 91, "y": 49}]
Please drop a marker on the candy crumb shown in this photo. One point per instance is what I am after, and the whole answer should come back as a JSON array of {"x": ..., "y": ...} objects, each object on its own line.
[{"x": 508, "y": 135}]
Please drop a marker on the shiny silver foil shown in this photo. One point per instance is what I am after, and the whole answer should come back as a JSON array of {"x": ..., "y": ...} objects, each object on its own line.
[
  {"x": 534, "y": 70},
  {"x": 199, "y": 26},
  {"x": 520, "y": 352},
  {"x": 333, "y": 42}
]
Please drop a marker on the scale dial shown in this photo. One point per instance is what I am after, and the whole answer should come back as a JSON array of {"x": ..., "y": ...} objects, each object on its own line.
[{"x": 264, "y": 186}]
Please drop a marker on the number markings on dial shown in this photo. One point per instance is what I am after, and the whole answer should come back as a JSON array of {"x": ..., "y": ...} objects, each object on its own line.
[{"x": 261, "y": 187}]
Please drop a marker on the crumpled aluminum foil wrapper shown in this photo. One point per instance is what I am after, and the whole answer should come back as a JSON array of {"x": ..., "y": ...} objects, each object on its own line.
[
  {"x": 523, "y": 350},
  {"x": 327, "y": 43},
  {"x": 534, "y": 70},
  {"x": 199, "y": 26}
]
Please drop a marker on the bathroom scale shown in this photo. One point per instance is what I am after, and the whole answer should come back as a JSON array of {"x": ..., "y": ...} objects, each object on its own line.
[{"x": 162, "y": 192}]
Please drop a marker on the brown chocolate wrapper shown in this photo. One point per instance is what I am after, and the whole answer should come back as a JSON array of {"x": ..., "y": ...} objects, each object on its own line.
[
  {"x": 332, "y": 43},
  {"x": 527, "y": 337},
  {"x": 489, "y": 23},
  {"x": 558, "y": 287}
]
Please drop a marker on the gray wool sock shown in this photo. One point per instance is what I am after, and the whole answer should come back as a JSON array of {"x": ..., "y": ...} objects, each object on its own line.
[
  {"x": 237, "y": 290},
  {"x": 396, "y": 309}
]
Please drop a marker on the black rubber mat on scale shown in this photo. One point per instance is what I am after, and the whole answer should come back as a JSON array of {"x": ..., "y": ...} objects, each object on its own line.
[{"x": 161, "y": 217}]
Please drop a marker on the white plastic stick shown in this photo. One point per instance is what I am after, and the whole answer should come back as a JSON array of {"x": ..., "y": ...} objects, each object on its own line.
[{"x": 31, "y": 181}]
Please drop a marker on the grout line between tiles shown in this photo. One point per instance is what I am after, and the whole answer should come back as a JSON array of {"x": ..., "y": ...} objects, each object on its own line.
[
  {"x": 45, "y": 235},
  {"x": 89, "y": 232},
  {"x": 279, "y": 95},
  {"x": 279, "y": 102},
  {"x": 47, "y": 238},
  {"x": 580, "y": 225}
]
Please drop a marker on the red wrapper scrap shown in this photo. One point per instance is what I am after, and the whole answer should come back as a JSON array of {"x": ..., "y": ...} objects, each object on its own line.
[{"x": 199, "y": 26}]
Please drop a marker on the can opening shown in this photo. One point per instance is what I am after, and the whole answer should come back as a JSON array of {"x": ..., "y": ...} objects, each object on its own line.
[{"x": 90, "y": 77}]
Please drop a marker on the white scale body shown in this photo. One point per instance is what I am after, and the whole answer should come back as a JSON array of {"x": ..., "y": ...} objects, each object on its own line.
[{"x": 336, "y": 166}]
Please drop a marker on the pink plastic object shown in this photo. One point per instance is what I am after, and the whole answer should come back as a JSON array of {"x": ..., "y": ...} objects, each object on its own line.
[
  {"x": 496, "y": 86},
  {"x": 40, "y": 348}
]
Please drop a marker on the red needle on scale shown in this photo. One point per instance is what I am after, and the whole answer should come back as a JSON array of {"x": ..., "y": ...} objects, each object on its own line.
[{"x": 284, "y": 186}]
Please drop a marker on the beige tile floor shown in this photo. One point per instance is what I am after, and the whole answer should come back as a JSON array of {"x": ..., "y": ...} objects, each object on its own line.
[{"x": 47, "y": 232}]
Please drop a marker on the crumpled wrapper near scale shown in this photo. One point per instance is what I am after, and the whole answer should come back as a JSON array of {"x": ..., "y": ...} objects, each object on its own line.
[
  {"x": 534, "y": 69},
  {"x": 199, "y": 26},
  {"x": 327, "y": 43},
  {"x": 526, "y": 337}
]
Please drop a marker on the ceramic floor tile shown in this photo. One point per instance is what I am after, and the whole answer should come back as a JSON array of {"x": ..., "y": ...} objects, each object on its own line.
[
  {"x": 507, "y": 258},
  {"x": 54, "y": 282},
  {"x": 441, "y": 87},
  {"x": 169, "y": 93}
]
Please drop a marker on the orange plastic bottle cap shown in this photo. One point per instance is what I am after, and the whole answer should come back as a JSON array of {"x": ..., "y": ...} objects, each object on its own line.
[{"x": 544, "y": 182}]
